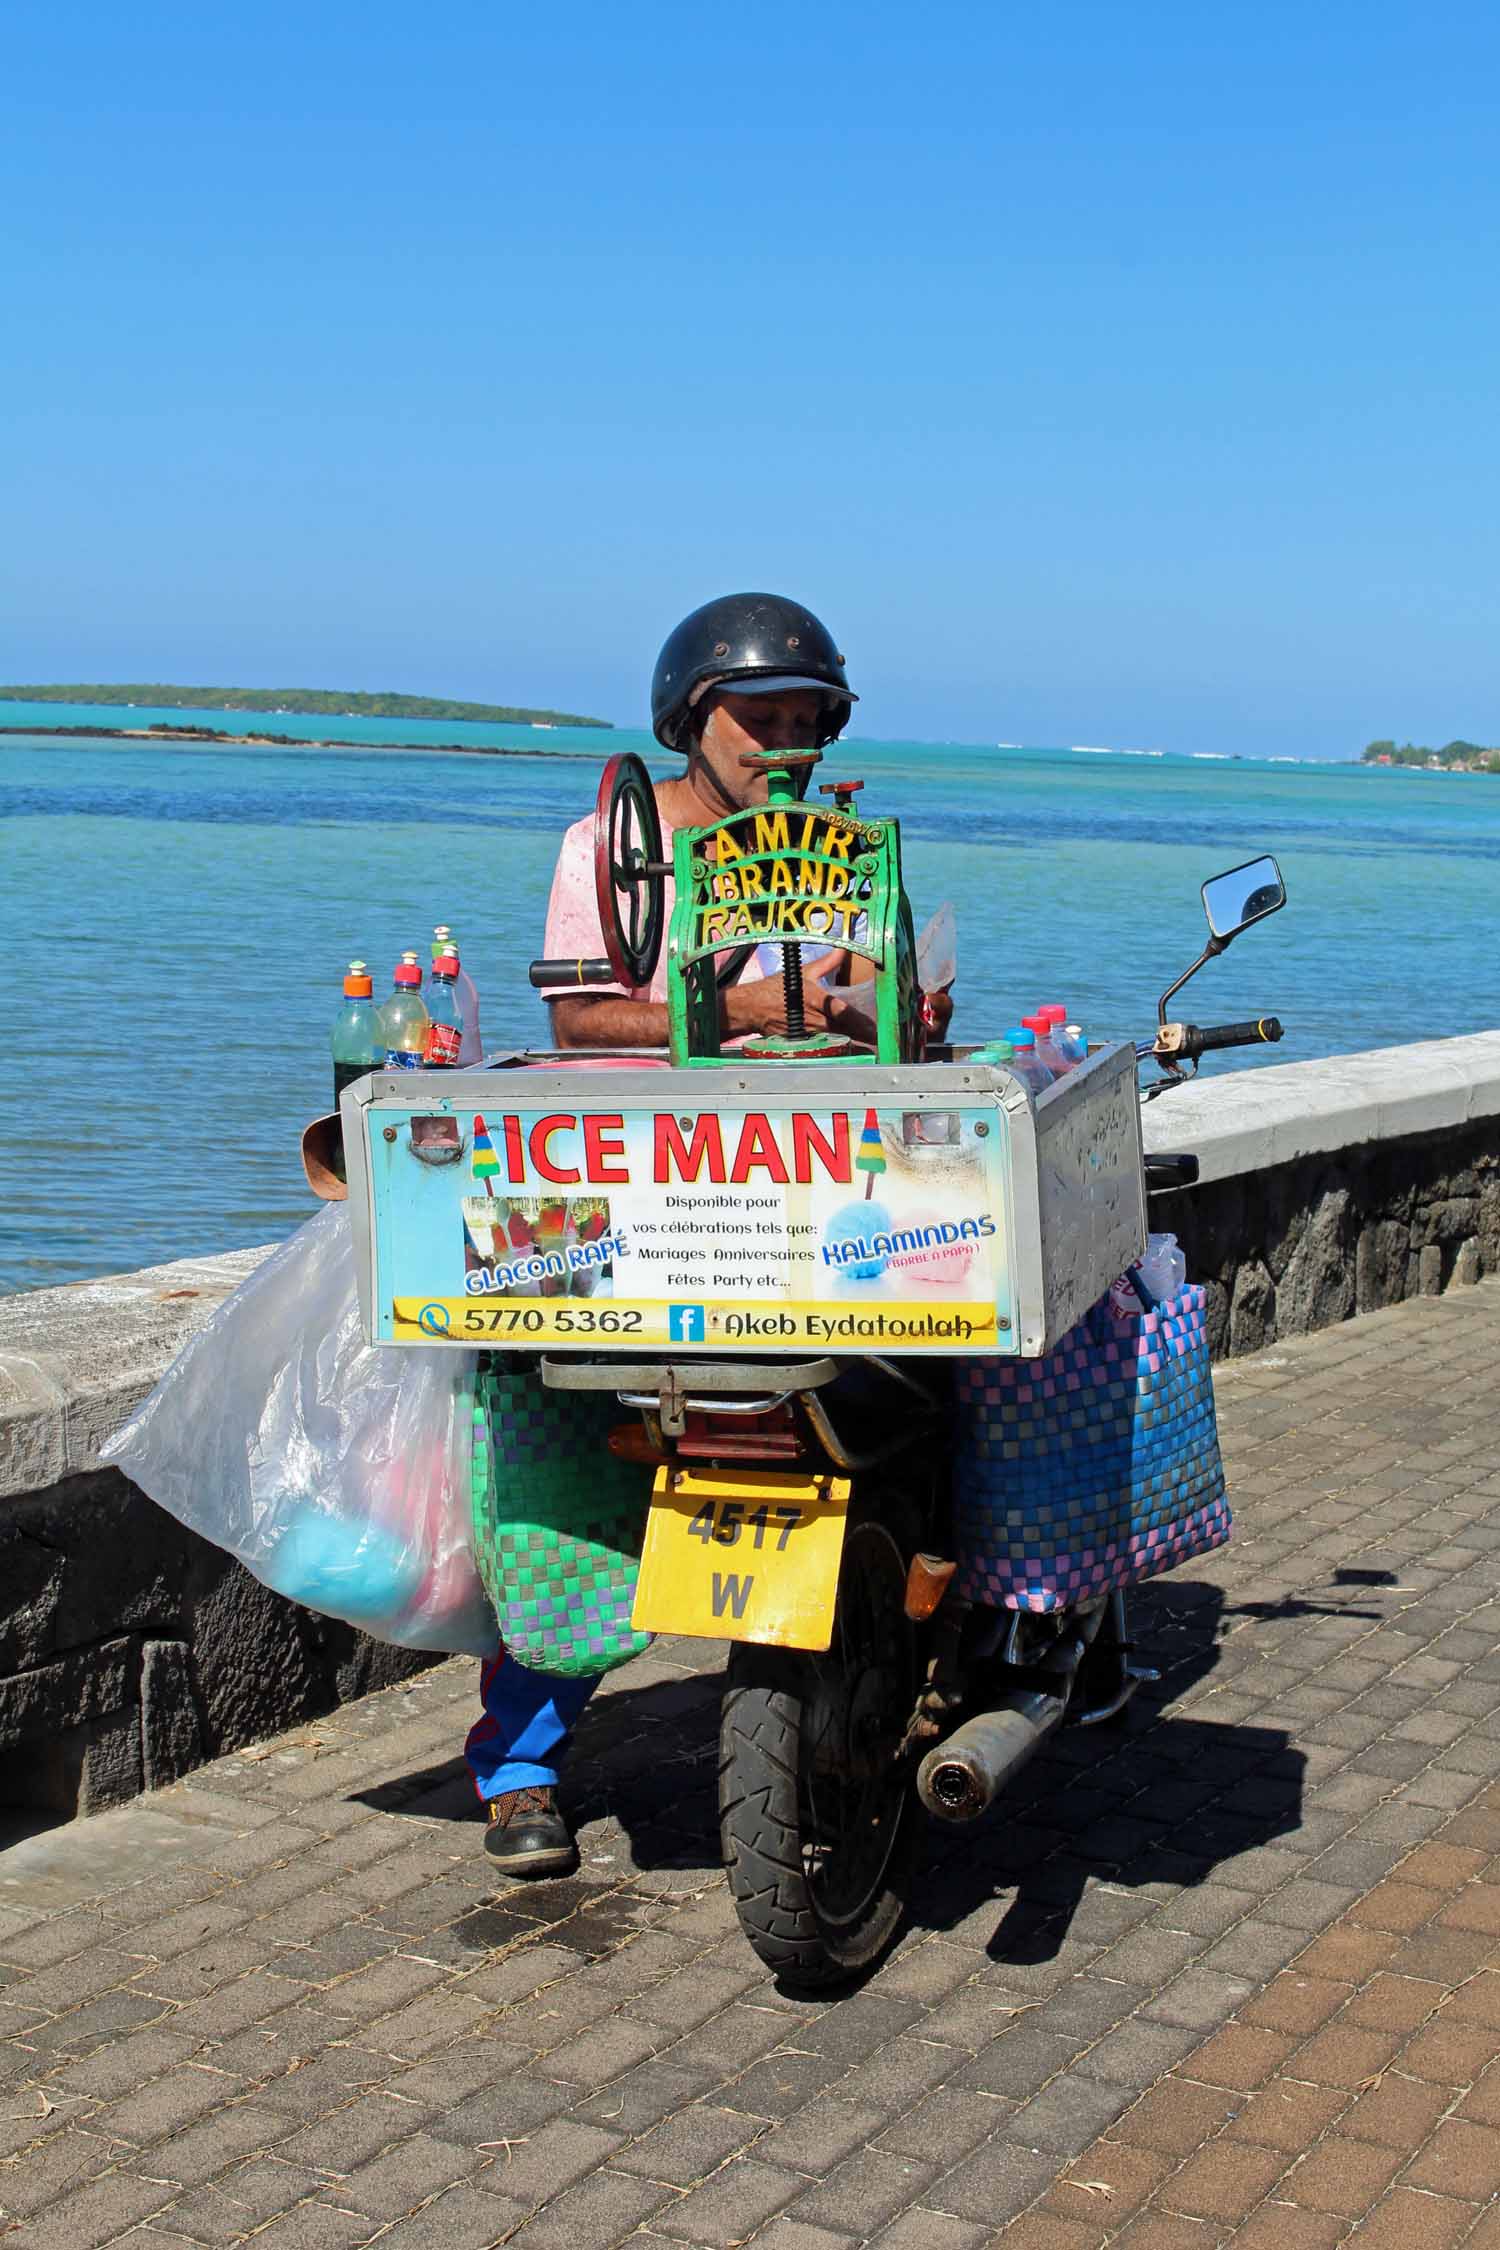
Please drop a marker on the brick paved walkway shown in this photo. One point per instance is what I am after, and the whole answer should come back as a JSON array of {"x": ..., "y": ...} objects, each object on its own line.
[
  {"x": 1361, "y": 2085},
  {"x": 1179, "y": 1986}
]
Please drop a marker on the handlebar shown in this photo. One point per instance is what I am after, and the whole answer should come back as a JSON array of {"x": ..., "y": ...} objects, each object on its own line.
[
  {"x": 1185, "y": 1042},
  {"x": 565, "y": 973},
  {"x": 1203, "y": 1042}
]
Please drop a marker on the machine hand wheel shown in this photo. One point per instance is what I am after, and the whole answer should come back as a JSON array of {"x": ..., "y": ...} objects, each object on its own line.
[{"x": 629, "y": 871}]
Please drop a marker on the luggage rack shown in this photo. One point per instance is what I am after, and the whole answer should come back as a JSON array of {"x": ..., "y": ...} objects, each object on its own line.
[
  {"x": 659, "y": 1387},
  {"x": 719, "y": 1375},
  {"x": 660, "y": 1390}
]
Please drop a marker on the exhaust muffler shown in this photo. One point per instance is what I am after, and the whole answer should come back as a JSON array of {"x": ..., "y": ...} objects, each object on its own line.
[{"x": 961, "y": 1778}]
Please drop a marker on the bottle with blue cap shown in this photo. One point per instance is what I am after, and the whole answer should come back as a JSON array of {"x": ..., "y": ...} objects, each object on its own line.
[{"x": 1025, "y": 1062}]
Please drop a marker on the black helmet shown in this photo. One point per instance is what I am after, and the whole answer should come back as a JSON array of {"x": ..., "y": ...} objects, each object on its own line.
[{"x": 749, "y": 643}]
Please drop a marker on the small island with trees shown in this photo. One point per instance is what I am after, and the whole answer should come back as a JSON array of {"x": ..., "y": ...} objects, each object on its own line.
[
  {"x": 340, "y": 703},
  {"x": 1454, "y": 757}
]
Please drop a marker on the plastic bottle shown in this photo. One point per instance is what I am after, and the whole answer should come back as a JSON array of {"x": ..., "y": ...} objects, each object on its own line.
[
  {"x": 445, "y": 1029},
  {"x": 471, "y": 1047},
  {"x": 1161, "y": 1273},
  {"x": 1071, "y": 1046},
  {"x": 403, "y": 1019},
  {"x": 358, "y": 1044},
  {"x": 1164, "y": 1267},
  {"x": 999, "y": 1052},
  {"x": 1048, "y": 1051},
  {"x": 1025, "y": 1062}
]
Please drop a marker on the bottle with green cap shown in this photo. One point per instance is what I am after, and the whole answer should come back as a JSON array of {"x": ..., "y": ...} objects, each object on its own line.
[{"x": 357, "y": 1043}]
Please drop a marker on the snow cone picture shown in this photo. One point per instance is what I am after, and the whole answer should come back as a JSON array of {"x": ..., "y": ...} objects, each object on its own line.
[
  {"x": 870, "y": 1156},
  {"x": 590, "y": 1218},
  {"x": 849, "y": 1234}
]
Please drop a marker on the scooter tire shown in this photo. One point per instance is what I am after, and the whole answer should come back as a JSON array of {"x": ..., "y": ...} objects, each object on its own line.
[{"x": 762, "y": 1816}]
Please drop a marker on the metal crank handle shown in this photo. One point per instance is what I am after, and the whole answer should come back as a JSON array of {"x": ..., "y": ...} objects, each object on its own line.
[{"x": 547, "y": 975}]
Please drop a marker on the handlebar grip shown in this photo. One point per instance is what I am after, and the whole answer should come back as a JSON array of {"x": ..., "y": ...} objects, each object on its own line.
[
  {"x": 1168, "y": 1171},
  {"x": 563, "y": 975},
  {"x": 1264, "y": 1028}
]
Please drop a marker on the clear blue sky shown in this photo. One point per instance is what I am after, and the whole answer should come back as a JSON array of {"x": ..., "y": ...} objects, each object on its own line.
[{"x": 1102, "y": 374}]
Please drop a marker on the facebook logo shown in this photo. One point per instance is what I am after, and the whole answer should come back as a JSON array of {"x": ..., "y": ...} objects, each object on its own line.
[{"x": 686, "y": 1324}]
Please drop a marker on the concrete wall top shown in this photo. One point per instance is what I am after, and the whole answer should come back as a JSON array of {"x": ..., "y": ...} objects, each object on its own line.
[
  {"x": 1248, "y": 1120},
  {"x": 75, "y": 1361}
]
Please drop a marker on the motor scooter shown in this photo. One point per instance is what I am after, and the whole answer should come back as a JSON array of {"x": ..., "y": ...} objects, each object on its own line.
[{"x": 789, "y": 1384}]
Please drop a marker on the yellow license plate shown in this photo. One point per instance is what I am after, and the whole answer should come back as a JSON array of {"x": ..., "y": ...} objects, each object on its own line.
[{"x": 742, "y": 1555}]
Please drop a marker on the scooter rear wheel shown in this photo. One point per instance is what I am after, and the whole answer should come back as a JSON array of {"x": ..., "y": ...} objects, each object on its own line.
[{"x": 815, "y": 1800}]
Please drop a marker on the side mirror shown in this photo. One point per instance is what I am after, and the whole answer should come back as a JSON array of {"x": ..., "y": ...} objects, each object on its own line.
[
  {"x": 1242, "y": 895},
  {"x": 1232, "y": 901}
]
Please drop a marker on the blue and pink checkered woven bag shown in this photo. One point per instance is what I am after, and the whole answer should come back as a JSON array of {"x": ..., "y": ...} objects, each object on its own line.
[{"x": 1091, "y": 1469}]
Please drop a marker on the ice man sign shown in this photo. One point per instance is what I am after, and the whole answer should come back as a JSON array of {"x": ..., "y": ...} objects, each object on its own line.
[{"x": 807, "y": 1225}]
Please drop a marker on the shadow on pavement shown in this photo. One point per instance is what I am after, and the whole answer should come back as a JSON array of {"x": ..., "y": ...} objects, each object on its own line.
[
  {"x": 1153, "y": 1798},
  {"x": 645, "y": 1757}
]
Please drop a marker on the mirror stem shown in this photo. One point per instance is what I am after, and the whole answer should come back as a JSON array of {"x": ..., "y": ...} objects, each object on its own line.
[{"x": 1211, "y": 952}]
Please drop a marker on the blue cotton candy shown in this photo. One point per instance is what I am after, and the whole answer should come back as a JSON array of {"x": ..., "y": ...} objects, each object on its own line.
[{"x": 855, "y": 1222}]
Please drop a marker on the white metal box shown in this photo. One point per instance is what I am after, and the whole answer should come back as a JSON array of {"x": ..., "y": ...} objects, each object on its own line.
[{"x": 777, "y": 1209}]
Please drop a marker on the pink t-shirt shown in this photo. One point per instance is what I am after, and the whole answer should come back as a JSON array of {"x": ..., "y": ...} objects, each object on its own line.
[
  {"x": 574, "y": 931},
  {"x": 573, "y": 927}
]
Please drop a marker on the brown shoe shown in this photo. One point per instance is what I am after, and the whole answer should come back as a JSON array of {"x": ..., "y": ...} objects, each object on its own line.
[{"x": 527, "y": 1835}]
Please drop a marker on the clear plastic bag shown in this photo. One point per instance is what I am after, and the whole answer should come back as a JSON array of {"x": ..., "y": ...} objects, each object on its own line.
[
  {"x": 339, "y": 1473},
  {"x": 937, "y": 951}
]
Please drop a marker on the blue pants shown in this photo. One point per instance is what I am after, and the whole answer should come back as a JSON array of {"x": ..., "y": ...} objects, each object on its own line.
[{"x": 523, "y": 1735}]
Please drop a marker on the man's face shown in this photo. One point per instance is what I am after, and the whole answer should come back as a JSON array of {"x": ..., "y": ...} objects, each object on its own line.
[{"x": 739, "y": 726}]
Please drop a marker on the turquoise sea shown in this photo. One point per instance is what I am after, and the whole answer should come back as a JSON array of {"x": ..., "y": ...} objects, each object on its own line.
[{"x": 179, "y": 918}]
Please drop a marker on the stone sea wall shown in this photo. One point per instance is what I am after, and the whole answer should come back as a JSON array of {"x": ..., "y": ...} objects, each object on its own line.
[
  {"x": 130, "y": 1650},
  {"x": 1329, "y": 1189}
]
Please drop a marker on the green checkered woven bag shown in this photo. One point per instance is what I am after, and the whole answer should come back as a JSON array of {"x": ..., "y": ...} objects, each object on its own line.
[{"x": 558, "y": 1522}]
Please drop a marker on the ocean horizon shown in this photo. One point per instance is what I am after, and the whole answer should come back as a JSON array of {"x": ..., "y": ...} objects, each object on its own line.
[{"x": 316, "y": 728}]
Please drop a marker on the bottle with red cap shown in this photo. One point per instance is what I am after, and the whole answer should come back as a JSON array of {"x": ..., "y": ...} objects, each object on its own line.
[
  {"x": 357, "y": 1042},
  {"x": 445, "y": 1031},
  {"x": 1063, "y": 1043},
  {"x": 472, "y": 1047},
  {"x": 403, "y": 1019},
  {"x": 1066, "y": 1037},
  {"x": 1041, "y": 1025}
]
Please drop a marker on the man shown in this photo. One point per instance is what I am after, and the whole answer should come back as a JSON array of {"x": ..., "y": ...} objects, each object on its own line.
[{"x": 744, "y": 674}]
